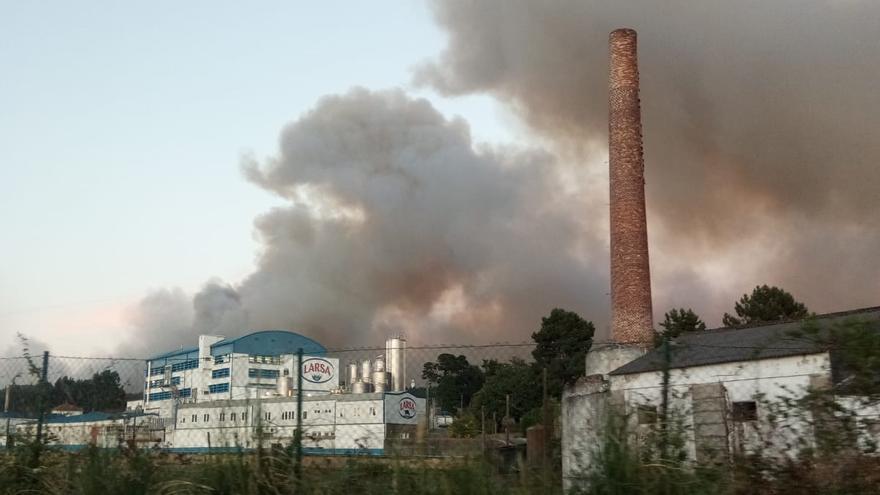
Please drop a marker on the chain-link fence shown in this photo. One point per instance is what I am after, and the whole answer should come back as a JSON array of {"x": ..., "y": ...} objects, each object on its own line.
[
  {"x": 673, "y": 407},
  {"x": 416, "y": 402}
]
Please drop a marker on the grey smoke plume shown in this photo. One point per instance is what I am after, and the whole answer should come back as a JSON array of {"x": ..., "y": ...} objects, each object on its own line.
[
  {"x": 397, "y": 222},
  {"x": 760, "y": 122},
  {"x": 164, "y": 322},
  {"x": 760, "y": 127}
]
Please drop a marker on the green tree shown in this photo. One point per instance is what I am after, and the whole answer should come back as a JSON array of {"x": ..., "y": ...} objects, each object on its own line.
[
  {"x": 562, "y": 345},
  {"x": 102, "y": 392},
  {"x": 456, "y": 381},
  {"x": 518, "y": 379},
  {"x": 679, "y": 320},
  {"x": 765, "y": 304}
]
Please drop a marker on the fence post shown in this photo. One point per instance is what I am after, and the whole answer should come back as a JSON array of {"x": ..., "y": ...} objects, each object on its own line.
[
  {"x": 483, "y": 428},
  {"x": 41, "y": 404},
  {"x": 297, "y": 435},
  {"x": 664, "y": 404},
  {"x": 545, "y": 421},
  {"x": 7, "y": 408}
]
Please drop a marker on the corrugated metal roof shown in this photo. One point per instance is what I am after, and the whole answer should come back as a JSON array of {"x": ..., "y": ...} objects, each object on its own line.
[
  {"x": 96, "y": 416},
  {"x": 268, "y": 343},
  {"x": 183, "y": 350},
  {"x": 726, "y": 345}
]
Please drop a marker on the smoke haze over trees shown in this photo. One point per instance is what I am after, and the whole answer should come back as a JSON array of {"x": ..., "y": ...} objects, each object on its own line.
[{"x": 760, "y": 165}]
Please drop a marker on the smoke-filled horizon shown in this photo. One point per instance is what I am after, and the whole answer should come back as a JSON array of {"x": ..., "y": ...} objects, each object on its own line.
[{"x": 761, "y": 167}]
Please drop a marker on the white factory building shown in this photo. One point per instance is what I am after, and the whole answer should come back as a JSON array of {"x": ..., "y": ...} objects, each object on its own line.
[{"x": 241, "y": 393}]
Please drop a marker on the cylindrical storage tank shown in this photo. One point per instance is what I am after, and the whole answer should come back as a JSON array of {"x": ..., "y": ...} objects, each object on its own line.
[
  {"x": 352, "y": 373},
  {"x": 366, "y": 371},
  {"x": 358, "y": 387},
  {"x": 379, "y": 384},
  {"x": 395, "y": 353},
  {"x": 379, "y": 364},
  {"x": 283, "y": 385}
]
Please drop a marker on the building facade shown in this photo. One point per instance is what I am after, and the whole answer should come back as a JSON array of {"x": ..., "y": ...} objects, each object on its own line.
[{"x": 246, "y": 367}]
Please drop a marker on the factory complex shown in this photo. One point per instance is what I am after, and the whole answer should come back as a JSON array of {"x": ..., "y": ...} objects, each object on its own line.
[{"x": 242, "y": 393}]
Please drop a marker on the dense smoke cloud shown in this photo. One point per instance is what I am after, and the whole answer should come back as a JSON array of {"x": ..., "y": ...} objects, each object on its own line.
[
  {"x": 396, "y": 222},
  {"x": 761, "y": 161},
  {"x": 759, "y": 118}
]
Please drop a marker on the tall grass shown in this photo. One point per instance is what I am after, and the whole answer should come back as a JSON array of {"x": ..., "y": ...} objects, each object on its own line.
[{"x": 94, "y": 471}]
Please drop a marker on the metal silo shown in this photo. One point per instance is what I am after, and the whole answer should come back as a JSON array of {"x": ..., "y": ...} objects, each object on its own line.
[{"x": 395, "y": 352}]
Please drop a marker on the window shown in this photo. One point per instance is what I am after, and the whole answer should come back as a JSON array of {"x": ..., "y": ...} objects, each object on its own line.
[
  {"x": 305, "y": 414},
  {"x": 261, "y": 373},
  {"x": 231, "y": 416},
  {"x": 185, "y": 365},
  {"x": 222, "y": 416},
  {"x": 264, "y": 359},
  {"x": 218, "y": 388},
  {"x": 284, "y": 415},
  {"x": 195, "y": 418},
  {"x": 183, "y": 419},
  {"x": 221, "y": 373},
  {"x": 160, "y": 395},
  {"x": 185, "y": 392},
  {"x": 219, "y": 359},
  {"x": 268, "y": 416},
  {"x": 244, "y": 416},
  {"x": 647, "y": 414},
  {"x": 207, "y": 417},
  {"x": 744, "y": 411}
]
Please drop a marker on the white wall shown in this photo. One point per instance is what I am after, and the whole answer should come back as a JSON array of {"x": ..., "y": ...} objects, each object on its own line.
[{"x": 763, "y": 380}]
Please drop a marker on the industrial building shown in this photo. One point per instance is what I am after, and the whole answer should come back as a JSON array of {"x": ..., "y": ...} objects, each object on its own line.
[{"x": 241, "y": 393}]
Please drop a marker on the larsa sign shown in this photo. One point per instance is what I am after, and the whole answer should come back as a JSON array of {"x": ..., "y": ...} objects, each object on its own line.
[
  {"x": 407, "y": 408},
  {"x": 317, "y": 370}
]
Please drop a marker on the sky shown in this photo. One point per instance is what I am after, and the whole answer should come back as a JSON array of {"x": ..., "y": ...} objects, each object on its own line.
[
  {"x": 122, "y": 131},
  {"x": 349, "y": 170}
]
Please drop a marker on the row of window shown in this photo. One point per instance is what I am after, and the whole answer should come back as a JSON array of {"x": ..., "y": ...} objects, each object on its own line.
[
  {"x": 264, "y": 359},
  {"x": 175, "y": 380},
  {"x": 185, "y": 365},
  {"x": 218, "y": 388},
  {"x": 221, "y": 373},
  {"x": 258, "y": 373},
  {"x": 189, "y": 364},
  {"x": 207, "y": 417},
  {"x": 165, "y": 395}
]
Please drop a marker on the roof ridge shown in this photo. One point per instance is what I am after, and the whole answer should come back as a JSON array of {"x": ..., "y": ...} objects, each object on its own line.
[{"x": 835, "y": 314}]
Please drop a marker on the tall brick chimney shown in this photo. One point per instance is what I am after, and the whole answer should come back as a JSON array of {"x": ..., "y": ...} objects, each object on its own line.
[{"x": 631, "y": 312}]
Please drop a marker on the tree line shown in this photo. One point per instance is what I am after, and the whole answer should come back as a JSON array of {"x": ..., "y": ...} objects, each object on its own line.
[
  {"x": 561, "y": 346},
  {"x": 102, "y": 392}
]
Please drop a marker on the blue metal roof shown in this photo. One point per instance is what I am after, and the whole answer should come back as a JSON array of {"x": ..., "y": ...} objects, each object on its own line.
[
  {"x": 95, "y": 416},
  {"x": 268, "y": 343},
  {"x": 185, "y": 350}
]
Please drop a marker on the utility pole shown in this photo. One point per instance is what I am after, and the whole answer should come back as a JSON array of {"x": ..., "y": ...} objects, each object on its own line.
[
  {"x": 507, "y": 420},
  {"x": 546, "y": 421},
  {"x": 6, "y": 408},
  {"x": 297, "y": 439},
  {"x": 483, "y": 427}
]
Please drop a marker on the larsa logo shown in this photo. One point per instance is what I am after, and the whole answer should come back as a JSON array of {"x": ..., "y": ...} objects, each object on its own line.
[
  {"x": 317, "y": 370},
  {"x": 407, "y": 408}
]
